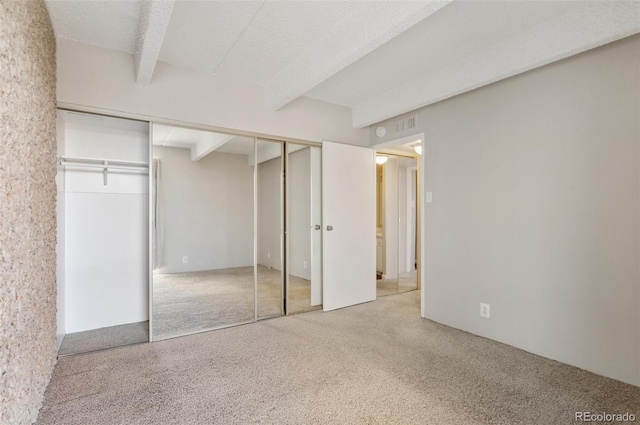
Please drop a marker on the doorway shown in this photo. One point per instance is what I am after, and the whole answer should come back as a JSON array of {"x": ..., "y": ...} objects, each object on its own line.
[{"x": 396, "y": 223}]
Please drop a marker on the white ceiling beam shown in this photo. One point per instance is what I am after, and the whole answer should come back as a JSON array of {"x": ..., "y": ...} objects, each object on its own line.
[
  {"x": 348, "y": 41},
  {"x": 589, "y": 25},
  {"x": 154, "y": 20},
  {"x": 207, "y": 143}
]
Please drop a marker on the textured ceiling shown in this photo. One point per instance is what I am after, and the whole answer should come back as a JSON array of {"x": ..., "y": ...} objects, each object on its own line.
[
  {"x": 278, "y": 33},
  {"x": 433, "y": 43},
  {"x": 379, "y": 58},
  {"x": 109, "y": 24},
  {"x": 201, "y": 33}
]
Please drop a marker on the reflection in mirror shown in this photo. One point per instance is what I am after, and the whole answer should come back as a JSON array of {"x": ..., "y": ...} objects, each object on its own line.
[
  {"x": 387, "y": 231},
  {"x": 270, "y": 224},
  {"x": 304, "y": 209},
  {"x": 202, "y": 231},
  {"x": 407, "y": 232},
  {"x": 396, "y": 235}
]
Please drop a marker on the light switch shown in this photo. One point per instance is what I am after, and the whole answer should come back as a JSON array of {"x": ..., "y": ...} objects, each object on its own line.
[{"x": 428, "y": 198}]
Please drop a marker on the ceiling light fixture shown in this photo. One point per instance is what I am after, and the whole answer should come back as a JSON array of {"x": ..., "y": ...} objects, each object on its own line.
[
  {"x": 380, "y": 159},
  {"x": 417, "y": 147}
]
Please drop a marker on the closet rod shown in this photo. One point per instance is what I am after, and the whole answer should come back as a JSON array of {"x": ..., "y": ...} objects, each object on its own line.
[
  {"x": 104, "y": 164},
  {"x": 111, "y": 163}
]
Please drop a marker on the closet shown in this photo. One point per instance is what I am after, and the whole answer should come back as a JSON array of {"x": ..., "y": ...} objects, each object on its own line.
[
  {"x": 102, "y": 232},
  {"x": 166, "y": 230}
]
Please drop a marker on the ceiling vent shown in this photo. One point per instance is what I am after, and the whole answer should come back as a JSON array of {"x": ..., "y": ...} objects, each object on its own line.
[{"x": 405, "y": 124}]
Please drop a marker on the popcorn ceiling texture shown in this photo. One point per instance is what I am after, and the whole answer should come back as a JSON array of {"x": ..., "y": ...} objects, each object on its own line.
[{"x": 27, "y": 208}]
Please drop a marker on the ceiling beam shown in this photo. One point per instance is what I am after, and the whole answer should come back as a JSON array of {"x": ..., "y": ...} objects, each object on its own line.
[
  {"x": 154, "y": 20},
  {"x": 207, "y": 143},
  {"x": 588, "y": 25},
  {"x": 347, "y": 42}
]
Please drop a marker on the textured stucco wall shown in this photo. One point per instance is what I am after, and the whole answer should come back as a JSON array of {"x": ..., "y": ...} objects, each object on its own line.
[{"x": 27, "y": 208}]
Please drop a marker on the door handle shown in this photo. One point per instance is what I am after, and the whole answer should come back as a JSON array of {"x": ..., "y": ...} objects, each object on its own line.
[
  {"x": 329, "y": 228},
  {"x": 317, "y": 227}
]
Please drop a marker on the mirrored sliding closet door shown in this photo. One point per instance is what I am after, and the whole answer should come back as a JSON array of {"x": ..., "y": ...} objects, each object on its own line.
[
  {"x": 304, "y": 229},
  {"x": 270, "y": 229},
  {"x": 220, "y": 207},
  {"x": 202, "y": 226}
]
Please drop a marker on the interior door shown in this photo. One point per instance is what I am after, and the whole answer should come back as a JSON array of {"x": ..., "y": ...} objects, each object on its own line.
[{"x": 349, "y": 224}]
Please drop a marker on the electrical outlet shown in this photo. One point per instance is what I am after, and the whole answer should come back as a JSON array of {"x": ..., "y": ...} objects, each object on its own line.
[
  {"x": 485, "y": 310},
  {"x": 185, "y": 259},
  {"x": 304, "y": 265}
]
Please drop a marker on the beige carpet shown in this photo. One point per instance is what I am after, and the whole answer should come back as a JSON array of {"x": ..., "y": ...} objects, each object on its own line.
[
  {"x": 184, "y": 303},
  {"x": 376, "y": 363}
]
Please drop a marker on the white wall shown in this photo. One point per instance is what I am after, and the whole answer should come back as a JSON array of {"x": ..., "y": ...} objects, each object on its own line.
[
  {"x": 208, "y": 210},
  {"x": 95, "y": 77},
  {"x": 299, "y": 181},
  {"x": 105, "y": 230},
  {"x": 270, "y": 212},
  {"x": 536, "y": 205}
]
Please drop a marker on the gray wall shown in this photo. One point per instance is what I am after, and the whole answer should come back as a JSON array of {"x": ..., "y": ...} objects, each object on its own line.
[
  {"x": 208, "y": 210},
  {"x": 27, "y": 209},
  {"x": 535, "y": 210}
]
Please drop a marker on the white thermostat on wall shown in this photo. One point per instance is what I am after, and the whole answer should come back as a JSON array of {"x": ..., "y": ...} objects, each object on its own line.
[{"x": 381, "y": 131}]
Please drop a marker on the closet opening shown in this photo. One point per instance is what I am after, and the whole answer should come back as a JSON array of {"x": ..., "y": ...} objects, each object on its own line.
[{"x": 102, "y": 213}]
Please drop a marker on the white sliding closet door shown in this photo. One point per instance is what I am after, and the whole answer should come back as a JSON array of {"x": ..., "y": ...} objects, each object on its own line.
[{"x": 349, "y": 215}]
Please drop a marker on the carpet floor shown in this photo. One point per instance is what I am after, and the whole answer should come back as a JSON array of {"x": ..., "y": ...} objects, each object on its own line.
[
  {"x": 100, "y": 339},
  {"x": 184, "y": 303},
  {"x": 374, "y": 363}
]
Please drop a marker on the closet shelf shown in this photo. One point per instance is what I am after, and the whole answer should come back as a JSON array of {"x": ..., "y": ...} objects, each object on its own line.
[{"x": 103, "y": 164}]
